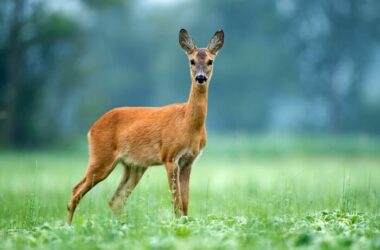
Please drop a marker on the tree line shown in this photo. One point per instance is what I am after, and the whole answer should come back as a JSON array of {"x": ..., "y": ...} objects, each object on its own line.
[{"x": 289, "y": 66}]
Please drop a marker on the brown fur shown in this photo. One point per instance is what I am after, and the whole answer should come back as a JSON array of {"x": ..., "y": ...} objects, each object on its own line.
[{"x": 140, "y": 137}]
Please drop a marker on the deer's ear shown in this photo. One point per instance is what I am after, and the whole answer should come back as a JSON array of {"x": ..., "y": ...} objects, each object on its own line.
[
  {"x": 216, "y": 42},
  {"x": 186, "y": 42}
]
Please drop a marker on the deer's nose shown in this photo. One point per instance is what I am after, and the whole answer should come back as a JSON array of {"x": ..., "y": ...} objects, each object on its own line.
[{"x": 201, "y": 78}]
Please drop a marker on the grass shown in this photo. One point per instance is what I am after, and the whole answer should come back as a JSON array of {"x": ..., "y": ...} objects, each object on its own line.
[{"x": 285, "y": 194}]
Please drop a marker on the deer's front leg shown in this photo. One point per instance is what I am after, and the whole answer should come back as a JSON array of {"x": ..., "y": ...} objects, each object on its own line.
[
  {"x": 173, "y": 171},
  {"x": 184, "y": 179}
]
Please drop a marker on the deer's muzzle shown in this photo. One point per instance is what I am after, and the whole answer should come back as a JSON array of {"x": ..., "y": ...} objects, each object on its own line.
[{"x": 201, "y": 79}]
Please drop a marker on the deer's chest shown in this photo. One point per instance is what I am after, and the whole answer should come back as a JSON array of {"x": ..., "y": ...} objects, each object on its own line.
[{"x": 183, "y": 149}]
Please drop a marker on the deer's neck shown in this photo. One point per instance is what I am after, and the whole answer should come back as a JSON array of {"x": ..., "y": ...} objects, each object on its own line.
[{"x": 196, "y": 110}]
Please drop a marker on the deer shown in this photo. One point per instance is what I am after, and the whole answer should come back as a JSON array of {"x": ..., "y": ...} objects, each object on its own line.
[{"x": 140, "y": 137}]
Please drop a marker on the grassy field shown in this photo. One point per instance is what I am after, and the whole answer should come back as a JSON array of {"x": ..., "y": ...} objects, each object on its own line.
[{"x": 246, "y": 193}]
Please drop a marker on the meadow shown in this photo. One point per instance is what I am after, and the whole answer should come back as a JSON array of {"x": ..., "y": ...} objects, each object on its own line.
[{"x": 245, "y": 193}]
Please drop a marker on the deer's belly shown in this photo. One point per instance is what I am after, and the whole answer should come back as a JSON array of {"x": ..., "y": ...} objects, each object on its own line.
[
  {"x": 142, "y": 156},
  {"x": 151, "y": 154}
]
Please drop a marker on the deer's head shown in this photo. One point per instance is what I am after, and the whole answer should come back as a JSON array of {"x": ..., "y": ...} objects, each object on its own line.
[{"x": 201, "y": 59}]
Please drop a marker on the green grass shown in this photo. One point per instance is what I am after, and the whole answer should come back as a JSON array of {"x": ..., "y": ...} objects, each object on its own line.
[{"x": 284, "y": 194}]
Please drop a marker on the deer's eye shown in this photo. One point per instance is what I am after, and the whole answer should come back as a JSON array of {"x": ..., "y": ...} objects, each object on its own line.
[
  {"x": 192, "y": 62},
  {"x": 209, "y": 62}
]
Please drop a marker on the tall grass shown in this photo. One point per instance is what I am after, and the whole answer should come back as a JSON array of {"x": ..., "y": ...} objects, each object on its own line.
[{"x": 246, "y": 192}]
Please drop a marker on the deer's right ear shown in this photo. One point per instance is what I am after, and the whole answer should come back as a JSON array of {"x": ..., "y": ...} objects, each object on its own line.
[{"x": 186, "y": 42}]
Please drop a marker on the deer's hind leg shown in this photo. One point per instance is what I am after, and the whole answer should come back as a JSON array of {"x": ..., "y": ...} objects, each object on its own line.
[
  {"x": 124, "y": 179},
  {"x": 97, "y": 171},
  {"x": 130, "y": 179}
]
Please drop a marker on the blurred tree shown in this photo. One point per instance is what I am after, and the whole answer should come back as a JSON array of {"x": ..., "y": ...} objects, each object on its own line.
[
  {"x": 335, "y": 41},
  {"x": 32, "y": 49},
  {"x": 12, "y": 65}
]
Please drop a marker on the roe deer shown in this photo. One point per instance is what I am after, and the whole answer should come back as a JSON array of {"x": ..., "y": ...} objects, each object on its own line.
[{"x": 139, "y": 137}]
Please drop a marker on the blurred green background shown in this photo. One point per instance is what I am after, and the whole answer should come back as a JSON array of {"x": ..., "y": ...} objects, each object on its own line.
[
  {"x": 287, "y": 66},
  {"x": 293, "y": 155}
]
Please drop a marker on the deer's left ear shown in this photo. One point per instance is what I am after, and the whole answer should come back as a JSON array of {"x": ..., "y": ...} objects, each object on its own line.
[{"x": 216, "y": 42}]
